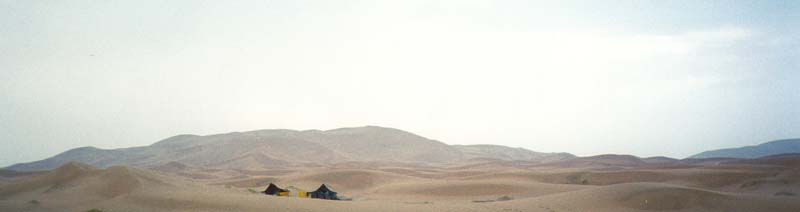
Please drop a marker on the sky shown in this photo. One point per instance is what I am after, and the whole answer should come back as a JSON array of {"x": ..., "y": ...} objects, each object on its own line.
[{"x": 647, "y": 78}]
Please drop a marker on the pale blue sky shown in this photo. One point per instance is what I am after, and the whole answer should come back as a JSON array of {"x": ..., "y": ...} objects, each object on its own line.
[{"x": 646, "y": 78}]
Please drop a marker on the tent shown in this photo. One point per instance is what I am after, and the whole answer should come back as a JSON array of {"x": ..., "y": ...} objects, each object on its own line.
[
  {"x": 272, "y": 189},
  {"x": 323, "y": 193}
]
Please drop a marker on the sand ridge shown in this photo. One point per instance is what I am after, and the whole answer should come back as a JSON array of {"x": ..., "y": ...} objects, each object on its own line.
[{"x": 758, "y": 185}]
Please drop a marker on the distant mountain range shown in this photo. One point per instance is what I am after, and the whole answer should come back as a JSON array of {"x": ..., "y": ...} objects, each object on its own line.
[
  {"x": 283, "y": 148},
  {"x": 277, "y": 148},
  {"x": 766, "y": 149}
]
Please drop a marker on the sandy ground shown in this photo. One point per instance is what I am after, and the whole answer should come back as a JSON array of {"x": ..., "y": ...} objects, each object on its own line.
[{"x": 77, "y": 187}]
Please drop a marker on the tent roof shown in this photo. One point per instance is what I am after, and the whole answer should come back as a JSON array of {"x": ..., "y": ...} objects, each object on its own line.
[
  {"x": 273, "y": 189},
  {"x": 323, "y": 188}
]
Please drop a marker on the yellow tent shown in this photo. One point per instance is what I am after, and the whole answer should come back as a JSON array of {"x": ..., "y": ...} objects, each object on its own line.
[{"x": 297, "y": 192}]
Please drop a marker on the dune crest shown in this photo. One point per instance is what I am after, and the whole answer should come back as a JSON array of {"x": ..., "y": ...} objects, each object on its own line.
[{"x": 83, "y": 179}]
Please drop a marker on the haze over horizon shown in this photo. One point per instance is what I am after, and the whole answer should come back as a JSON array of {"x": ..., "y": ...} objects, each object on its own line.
[{"x": 648, "y": 78}]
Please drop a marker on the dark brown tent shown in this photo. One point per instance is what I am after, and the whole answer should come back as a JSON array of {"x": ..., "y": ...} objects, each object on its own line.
[
  {"x": 323, "y": 193},
  {"x": 272, "y": 189}
]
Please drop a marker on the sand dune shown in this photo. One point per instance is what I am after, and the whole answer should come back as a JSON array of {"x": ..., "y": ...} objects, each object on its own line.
[
  {"x": 83, "y": 179},
  {"x": 9, "y": 175},
  {"x": 352, "y": 182},
  {"x": 766, "y": 184},
  {"x": 467, "y": 190},
  {"x": 257, "y": 182},
  {"x": 78, "y": 187},
  {"x": 51, "y": 181},
  {"x": 383, "y": 169},
  {"x": 652, "y": 197}
]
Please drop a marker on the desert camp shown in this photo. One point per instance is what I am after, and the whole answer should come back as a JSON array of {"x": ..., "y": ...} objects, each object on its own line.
[
  {"x": 400, "y": 106},
  {"x": 605, "y": 183},
  {"x": 296, "y": 192},
  {"x": 323, "y": 192},
  {"x": 273, "y": 189}
]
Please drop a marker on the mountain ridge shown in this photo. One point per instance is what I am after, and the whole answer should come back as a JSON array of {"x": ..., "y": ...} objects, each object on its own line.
[
  {"x": 775, "y": 147},
  {"x": 268, "y": 148}
]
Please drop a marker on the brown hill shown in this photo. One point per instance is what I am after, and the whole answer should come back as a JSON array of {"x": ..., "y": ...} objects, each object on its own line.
[
  {"x": 660, "y": 160},
  {"x": 608, "y": 161},
  {"x": 498, "y": 152},
  {"x": 792, "y": 160},
  {"x": 264, "y": 149}
]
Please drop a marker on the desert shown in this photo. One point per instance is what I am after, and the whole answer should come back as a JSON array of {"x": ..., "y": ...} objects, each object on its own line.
[
  {"x": 400, "y": 106},
  {"x": 170, "y": 175}
]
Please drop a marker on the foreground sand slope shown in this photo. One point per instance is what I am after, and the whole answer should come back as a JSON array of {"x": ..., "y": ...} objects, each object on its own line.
[
  {"x": 653, "y": 197},
  {"x": 79, "y": 187}
]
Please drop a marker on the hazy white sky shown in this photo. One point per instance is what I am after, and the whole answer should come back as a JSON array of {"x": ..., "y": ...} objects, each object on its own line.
[{"x": 636, "y": 77}]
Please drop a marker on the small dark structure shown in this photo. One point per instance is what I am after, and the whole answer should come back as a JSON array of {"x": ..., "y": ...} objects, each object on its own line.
[
  {"x": 323, "y": 193},
  {"x": 272, "y": 189}
]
